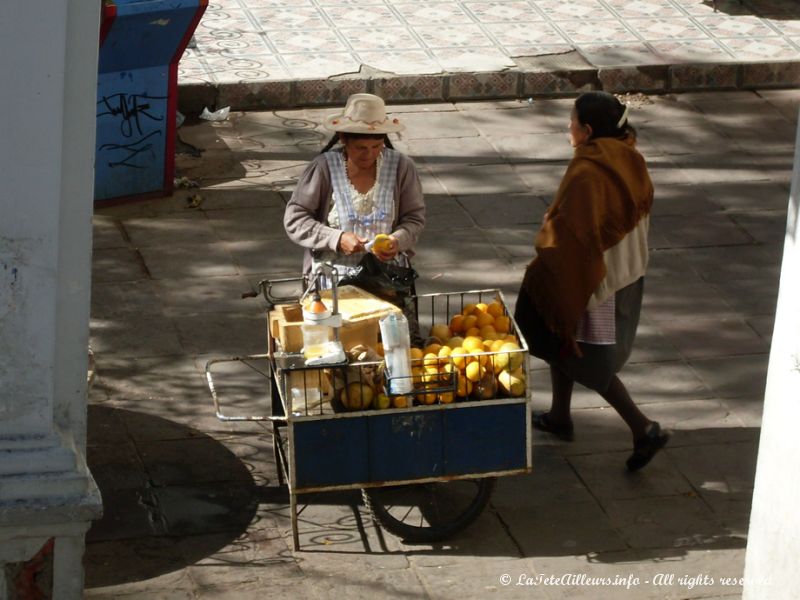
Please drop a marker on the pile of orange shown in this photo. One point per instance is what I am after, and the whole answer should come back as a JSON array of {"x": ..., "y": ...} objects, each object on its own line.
[{"x": 475, "y": 352}]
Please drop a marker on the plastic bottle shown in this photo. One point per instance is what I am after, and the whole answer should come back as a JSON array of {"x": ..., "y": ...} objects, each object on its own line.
[
  {"x": 397, "y": 352},
  {"x": 316, "y": 334}
]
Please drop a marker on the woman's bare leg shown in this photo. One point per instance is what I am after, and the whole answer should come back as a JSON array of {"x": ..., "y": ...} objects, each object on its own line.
[
  {"x": 562, "y": 397},
  {"x": 620, "y": 400}
]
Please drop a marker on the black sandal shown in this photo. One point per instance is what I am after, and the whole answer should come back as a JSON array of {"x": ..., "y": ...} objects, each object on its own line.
[
  {"x": 644, "y": 449},
  {"x": 541, "y": 421}
]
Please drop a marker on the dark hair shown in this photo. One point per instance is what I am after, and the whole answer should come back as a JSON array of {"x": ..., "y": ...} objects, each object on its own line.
[
  {"x": 357, "y": 136},
  {"x": 602, "y": 111}
]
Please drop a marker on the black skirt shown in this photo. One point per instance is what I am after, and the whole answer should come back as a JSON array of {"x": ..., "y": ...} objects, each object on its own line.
[{"x": 599, "y": 363}]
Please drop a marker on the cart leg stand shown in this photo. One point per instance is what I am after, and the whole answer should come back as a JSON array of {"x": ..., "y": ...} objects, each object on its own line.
[{"x": 293, "y": 510}]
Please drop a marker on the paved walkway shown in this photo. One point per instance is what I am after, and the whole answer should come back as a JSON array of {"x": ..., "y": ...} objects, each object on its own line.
[
  {"x": 283, "y": 53},
  {"x": 193, "y": 509}
]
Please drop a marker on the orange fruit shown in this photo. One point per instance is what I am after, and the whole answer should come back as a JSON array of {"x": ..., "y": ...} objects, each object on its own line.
[
  {"x": 427, "y": 398},
  {"x": 502, "y": 324},
  {"x": 455, "y": 341},
  {"x": 441, "y": 331},
  {"x": 488, "y": 333},
  {"x": 432, "y": 349},
  {"x": 468, "y": 309},
  {"x": 479, "y": 356},
  {"x": 459, "y": 358},
  {"x": 469, "y": 322},
  {"x": 464, "y": 387},
  {"x": 495, "y": 309},
  {"x": 475, "y": 371},
  {"x": 400, "y": 401},
  {"x": 473, "y": 342},
  {"x": 431, "y": 359},
  {"x": 446, "y": 397},
  {"x": 457, "y": 324}
]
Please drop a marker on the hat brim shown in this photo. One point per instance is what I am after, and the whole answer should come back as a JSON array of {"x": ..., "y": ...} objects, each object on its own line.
[{"x": 340, "y": 123}]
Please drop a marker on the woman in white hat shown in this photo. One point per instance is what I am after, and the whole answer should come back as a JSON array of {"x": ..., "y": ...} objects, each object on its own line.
[{"x": 356, "y": 190}]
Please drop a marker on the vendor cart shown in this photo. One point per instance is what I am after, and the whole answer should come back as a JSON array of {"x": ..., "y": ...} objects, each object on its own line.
[{"x": 427, "y": 463}]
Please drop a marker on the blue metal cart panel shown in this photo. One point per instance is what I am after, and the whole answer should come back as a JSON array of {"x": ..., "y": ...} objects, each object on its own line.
[
  {"x": 485, "y": 439},
  {"x": 406, "y": 446},
  {"x": 330, "y": 452}
]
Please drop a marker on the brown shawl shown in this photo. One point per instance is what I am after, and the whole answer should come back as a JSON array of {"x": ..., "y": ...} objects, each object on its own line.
[{"x": 603, "y": 194}]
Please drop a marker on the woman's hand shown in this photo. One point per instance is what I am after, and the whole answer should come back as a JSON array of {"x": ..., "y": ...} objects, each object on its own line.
[
  {"x": 350, "y": 243},
  {"x": 387, "y": 249}
]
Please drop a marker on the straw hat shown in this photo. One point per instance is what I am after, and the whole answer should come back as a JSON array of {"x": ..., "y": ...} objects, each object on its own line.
[{"x": 363, "y": 113}]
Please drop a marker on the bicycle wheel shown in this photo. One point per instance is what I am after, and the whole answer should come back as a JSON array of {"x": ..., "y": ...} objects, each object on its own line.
[{"x": 429, "y": 512}]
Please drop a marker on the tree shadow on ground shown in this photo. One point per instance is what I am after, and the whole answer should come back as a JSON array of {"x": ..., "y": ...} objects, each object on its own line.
[{"x": 162, "y": 484}]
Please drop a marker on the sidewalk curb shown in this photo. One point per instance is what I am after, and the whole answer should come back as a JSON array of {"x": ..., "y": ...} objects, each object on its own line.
[{"x": 548, "y": 77}]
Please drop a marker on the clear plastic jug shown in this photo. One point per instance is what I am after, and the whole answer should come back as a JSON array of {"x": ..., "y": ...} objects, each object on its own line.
[{"x": 397, "y": 352}]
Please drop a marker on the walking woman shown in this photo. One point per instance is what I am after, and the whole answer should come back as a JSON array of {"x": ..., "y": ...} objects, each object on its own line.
[{"x": 579, "y": 303}]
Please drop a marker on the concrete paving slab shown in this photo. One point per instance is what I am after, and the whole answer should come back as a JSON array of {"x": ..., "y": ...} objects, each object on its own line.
[
  {"x": 117, "y": 466},
  {"x": 223, "y": 334},
  {"x": 207, "y": 295},
  {"x": 534, "y": 147},
  {"x": 552, "y": 482},
  {"x": 130, "y": 514},
  {"x": 526, "y": 117},
  {"x": 258, "y": 557},
  {"x": 507, "y": 211},
  {"x": 114, "y": 299},
  {"x": 483, "y": 580},
  {"x": 137, "y": 566},
  {"x": 445, "y": 214},
  {"x": 677, "y": 574},
  {"x": 667, "y": 521},
  {"x": 701, "y": 230},
  {"x": 563, "y": 529},
  {"x": 446, "y": 151},
  {"x": 169, "y": 230},
  {"x": 541, "y": 178},
  {"x": 480, "y": 179},
  {"x": 682, "y": 200},
  {"x": 688, "y": 299},
  {"x": 206, "y": 508},
  {"x": 734, "y": 263},
  {"x": 734, "y": 376},
  {"x": 514, "y": 241},
  {"x": 729, "y": 337},
  {"x": 155, "y": 335},
  {"x": 437, "y": 125},
  {"x": 606, "y": 479},
  {"x": 677, "y": 141},
  {"x": 106, "y": 233},
  {"x": 651, "y": 346},
  {"x": 117, "y": 264},
  {"x": 746, "y": 196},
  {"x": 191, "y": 260},
  {"x": 362, "y": 584}
]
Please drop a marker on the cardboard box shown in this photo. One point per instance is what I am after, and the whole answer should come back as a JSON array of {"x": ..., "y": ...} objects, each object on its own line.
[
  {"x": 285, "y": 325},
  {"x": 360, "y": 312}
]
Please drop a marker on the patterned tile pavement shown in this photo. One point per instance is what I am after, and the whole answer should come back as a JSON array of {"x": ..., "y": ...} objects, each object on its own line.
[{"x": 289, "y": 43}]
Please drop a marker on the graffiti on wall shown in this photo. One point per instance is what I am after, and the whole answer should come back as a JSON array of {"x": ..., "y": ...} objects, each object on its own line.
[{"x": 136, "y": 122}]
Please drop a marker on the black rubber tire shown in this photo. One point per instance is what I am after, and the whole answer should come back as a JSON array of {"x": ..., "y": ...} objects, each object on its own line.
[{"x": 406, "y": 511}]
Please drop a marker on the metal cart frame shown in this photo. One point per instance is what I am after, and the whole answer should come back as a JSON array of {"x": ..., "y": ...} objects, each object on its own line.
[{"x": 379, "y": 451}]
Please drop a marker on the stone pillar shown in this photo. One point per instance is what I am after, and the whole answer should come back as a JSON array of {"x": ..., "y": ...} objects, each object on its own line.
[
  {"x": 48, "y": 69},
  {"x": 773, "y": 544}
]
